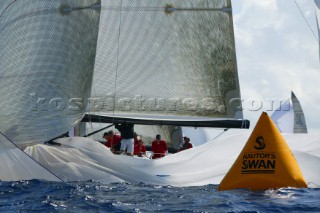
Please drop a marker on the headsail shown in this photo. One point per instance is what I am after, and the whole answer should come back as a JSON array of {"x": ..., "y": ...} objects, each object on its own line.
[
  {"x": 47, "y": 52},
  {"x": 289, "y": 117},
  {"x": 171, "y": 64}
]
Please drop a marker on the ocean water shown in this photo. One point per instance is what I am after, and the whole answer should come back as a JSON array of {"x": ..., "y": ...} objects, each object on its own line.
[{"x": 90, "y": 196}]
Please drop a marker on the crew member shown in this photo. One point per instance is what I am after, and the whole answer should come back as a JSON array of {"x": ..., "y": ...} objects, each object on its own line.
[
  {"x": 139, "y": 147},
  {"x": 126, "y": 131},
  {"x": 159, "y": 148},
  {"x": 113, "y": 141},
  {"x": 186, "y": 144}
]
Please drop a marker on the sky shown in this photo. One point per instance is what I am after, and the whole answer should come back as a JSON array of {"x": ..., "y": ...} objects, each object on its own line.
[{"x": 277, "y": 53}]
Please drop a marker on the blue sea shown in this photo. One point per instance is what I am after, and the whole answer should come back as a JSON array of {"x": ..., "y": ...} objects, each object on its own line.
[{"x": 90, "y": 196}]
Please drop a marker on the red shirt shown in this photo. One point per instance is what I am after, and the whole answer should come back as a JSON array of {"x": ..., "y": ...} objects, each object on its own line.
[
  {"x": 159, "y": 149},
  {"x": 186, "y": 146},
  {"x": 139, "y": 149},
  {"x": 113, "y": 141}
]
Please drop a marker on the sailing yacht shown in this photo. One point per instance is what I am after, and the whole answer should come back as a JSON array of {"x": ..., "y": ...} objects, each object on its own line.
[
  {"x": 142, "y": 62},
  {"x": 289, "y": 117},
  {"x": 154, "y": 63}
]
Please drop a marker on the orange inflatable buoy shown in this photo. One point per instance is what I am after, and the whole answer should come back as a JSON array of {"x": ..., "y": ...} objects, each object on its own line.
[{"x": 265, "y": 162}]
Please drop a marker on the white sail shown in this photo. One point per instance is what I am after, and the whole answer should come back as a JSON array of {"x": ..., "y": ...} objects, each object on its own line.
[
  {"x": 17, "y": 165},
  {"x": 201, "y": 165},
  {"x": 300, "y": 125},
  {"x": 166, "y": 61},
  {"x": 289, "y": 117},
  {"x": 47, "y": 52}
]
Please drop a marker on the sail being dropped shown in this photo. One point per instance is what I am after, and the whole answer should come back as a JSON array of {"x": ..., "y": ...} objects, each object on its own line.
[{"x": 168, "y": 64}]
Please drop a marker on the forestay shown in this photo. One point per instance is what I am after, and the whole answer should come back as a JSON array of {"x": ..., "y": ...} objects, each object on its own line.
[{"x": 317, "y": 4}]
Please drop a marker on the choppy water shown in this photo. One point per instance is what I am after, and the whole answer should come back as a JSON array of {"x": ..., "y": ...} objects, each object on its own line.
[{"x": 42, "y": 196}]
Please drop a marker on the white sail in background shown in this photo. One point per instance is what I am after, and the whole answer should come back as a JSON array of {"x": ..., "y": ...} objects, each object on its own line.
[
  {"x": 300, "y": 125},
  {"x": 174, "y": 61},
  {"x": 47, "y": 52},
  {"x": 289, "y": 117}
]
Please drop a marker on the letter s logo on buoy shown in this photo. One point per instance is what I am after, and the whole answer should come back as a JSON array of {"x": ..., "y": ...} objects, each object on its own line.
[{"x": 260, "y": 142}]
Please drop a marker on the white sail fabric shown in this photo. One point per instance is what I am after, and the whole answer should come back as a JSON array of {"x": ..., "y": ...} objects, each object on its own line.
[
  {"x": 16, "y": 165},
  {"x": 283, "y": 117},
  {"x": 289, "y": 117},
  {"x": 300, "y": 125},
  {"x": 174, "y": 60},
  {"x": 47, "y": 54},
  {"x": 85, "y": 159}
]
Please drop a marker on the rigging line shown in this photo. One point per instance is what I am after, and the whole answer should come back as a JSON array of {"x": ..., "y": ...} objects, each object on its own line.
[
  {"x": 220, "y": 134},
  {"x": 305, "y": 19},
  {"x": 94, "y": 111},
  {"x": 67, "y": 9},
  {"x": 244, "y": 124},
  {"x": 28, "y": 15},
  {"x": 169, "y": 9},
  {"x": 7, "y": 7},
  {"x": 31, "y": 157},
  {"x": 117, "y": 66},
  {"x": 87, "y": 135}
]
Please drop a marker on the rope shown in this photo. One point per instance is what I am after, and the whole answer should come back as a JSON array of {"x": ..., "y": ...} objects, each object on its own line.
[
  {"x": 7, "y": 8},
  {"x": 87, "y": 135},
  {"x": 169, "y": 9},
  {"x": 305, "y": 19},
  {"x": 220, "y": 134},
  {"x": 117, "y": 67},
  {"x": 243, "y": 125}
]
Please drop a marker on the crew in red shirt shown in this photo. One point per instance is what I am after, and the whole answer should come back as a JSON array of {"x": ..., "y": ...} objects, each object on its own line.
[
  {"x": 139, "y": 147},
  {"x": 186, "y": 144},
  {"x": 135, "y": 138},
  {"x": 159, "y": 148},
  {"x": 113, "y": 141}
]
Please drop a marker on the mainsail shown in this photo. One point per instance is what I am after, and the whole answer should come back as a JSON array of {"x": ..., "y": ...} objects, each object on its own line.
[
  {"x": 289, "y": 117},
  {"x": 166, "y": 63},
  {"x": 47, "y": 53}
]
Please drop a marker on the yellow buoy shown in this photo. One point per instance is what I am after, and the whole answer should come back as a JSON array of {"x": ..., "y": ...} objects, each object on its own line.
[{"x": 265, "y": 162}]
